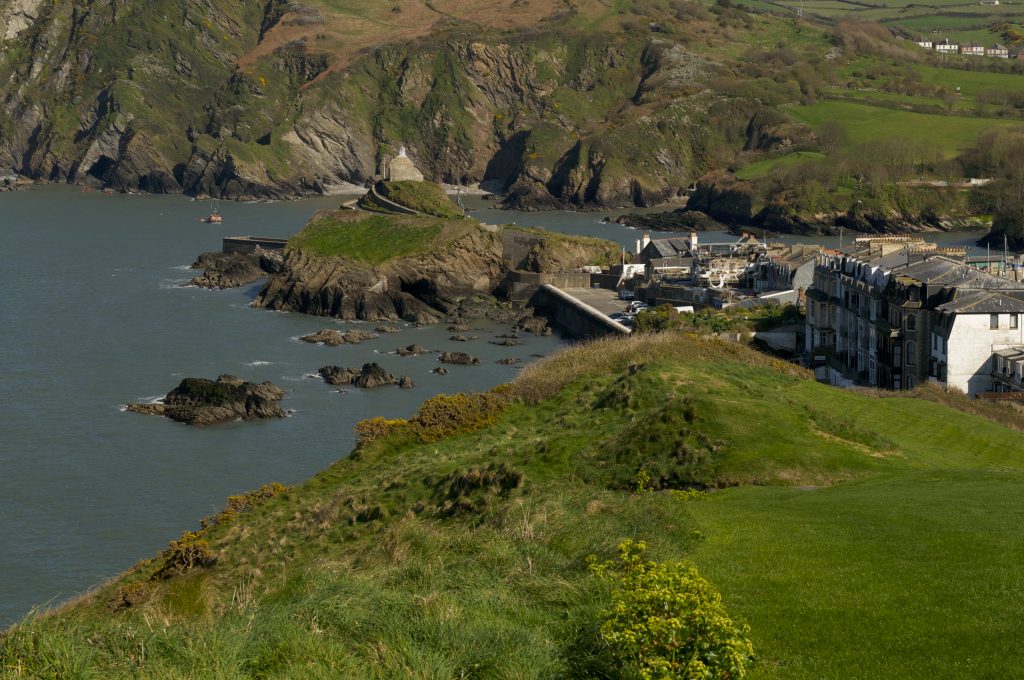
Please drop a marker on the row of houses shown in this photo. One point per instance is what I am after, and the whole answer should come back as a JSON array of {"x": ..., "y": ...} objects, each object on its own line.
[
  {"x": 894, "y": 313},
  {"x": 972, "y": 48}
]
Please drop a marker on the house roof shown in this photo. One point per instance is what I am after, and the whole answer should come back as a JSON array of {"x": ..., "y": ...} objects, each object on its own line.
[
  {"x": 1011, "y": 353},
  {"x": 966, "y": 301},
  {"x": 669, "y": 247},
  {"x": 998, "y": 46},
  {"x": 942, "y": 271}
]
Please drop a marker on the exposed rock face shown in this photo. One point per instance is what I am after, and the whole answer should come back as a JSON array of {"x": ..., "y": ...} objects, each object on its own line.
[
  {"x": 334, "y": 337},
  {"x": 424, "y": 288},
  {"x": 76, "y": 111},
  {"x": 223, "y": 270},
  {"x": 199, "y": 401},
  {"x": 533, "y": 324},
  {"x": 459, "y": 358}
]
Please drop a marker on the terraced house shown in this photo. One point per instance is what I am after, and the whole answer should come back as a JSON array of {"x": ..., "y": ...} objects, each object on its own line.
[{"x": 894, "y": 312}]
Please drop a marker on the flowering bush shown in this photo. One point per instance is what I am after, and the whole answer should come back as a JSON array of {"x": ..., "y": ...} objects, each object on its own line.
[{"x": 668, "y": 622}]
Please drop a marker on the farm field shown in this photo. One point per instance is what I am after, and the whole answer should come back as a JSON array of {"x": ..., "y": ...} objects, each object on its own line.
[{"x": 866, "y": 123}]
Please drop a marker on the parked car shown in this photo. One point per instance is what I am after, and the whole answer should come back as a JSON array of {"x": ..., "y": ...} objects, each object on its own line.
[
  {"x": 636, "y": 307},
  {"x": 618, "y": 316},
  {"x": 626, "y": 294}
]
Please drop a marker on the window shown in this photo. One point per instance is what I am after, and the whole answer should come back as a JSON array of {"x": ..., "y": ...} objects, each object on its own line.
[
  {"x": 911, "y": 348},
  {"x": 1013, "y": 321},
  {"x": 993, "y": 321},
  {"x": 911, "y": 322}
]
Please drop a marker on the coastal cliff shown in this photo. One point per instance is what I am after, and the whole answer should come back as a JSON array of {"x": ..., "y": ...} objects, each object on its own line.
[
  {"x": 420, "y": 269},
  {"x": 559, "y": 104}
]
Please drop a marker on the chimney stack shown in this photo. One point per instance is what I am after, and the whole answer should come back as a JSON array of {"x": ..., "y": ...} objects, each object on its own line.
[{"x": 693, "y": 241}]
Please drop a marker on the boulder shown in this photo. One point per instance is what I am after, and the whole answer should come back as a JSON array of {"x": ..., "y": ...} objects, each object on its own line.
[
  {"x": 386, "y": 329},
  {"x": 506, "y": 342},
  {"x": 510, "y": 361},
  {"x": 326, "y": 336},
  {"x": 440, "y": 370},
  {"x": 406, "y": 383}
]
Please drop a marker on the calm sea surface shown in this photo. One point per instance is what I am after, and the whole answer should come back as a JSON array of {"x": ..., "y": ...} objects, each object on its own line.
[{"x": 94, "y": 316}]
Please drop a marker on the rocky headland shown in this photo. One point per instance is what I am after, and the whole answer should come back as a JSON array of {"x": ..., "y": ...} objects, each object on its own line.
[
  {"x": 200, "y": 401},
  {"x": 232, "y": 270}
]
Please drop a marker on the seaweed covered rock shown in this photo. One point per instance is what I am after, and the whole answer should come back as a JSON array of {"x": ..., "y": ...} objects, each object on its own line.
[
  {"x": 460, "y": 358},
  {"x": 200, "y": 401}
]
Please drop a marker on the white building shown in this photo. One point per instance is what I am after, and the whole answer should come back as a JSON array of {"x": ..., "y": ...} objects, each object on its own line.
[
  {"x": 968, "y": 333},
  {"x": 924, "y": 42},
  {"x": 972, "y": 49},
  {"x": 946, "y": 46}
]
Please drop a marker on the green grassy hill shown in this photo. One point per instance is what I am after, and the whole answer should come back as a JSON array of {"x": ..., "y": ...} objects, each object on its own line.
[{"x": 858, "y": 534}]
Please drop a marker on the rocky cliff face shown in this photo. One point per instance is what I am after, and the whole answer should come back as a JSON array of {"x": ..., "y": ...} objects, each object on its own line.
[
  {"x": 219, "y": 99},
  {"x": 424, "y": 288}
]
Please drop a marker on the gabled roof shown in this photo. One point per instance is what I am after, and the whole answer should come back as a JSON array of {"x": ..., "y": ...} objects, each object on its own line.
[
  {"x": 942, "y": 271},
  {"x": 669, "y": 247},
  {"x": 967, "y": 301}
]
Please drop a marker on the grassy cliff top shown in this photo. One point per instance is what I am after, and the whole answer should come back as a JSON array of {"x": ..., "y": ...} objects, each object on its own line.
[
  {"x": 375, "y": 238},
  {"x": 871, "y": 533},
  {"x": 424, "y": 197}
]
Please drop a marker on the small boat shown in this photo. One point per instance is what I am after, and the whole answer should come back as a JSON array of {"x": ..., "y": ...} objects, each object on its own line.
[{"x": 214, "y": 216}]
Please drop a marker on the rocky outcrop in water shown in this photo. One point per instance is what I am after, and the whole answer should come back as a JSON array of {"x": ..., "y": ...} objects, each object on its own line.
[
  {"x": 454, "y": 280},
  {"x": 232, "y": 270},
  {"x": 199, "y": 401},
  {"x": 411, "y": 350},
  {"x": 458, "y": 358},
  {"x": 333, "y": 337},
  {"x": 369, "y": 376}
]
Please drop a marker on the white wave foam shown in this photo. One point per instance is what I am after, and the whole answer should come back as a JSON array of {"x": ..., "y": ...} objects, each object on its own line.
[{"x": 259, "y": 363}]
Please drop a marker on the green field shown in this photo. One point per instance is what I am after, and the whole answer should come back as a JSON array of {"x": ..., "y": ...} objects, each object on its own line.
[
  {"x": 859, "y": 536},
  {"x": 368, "y": 238},
  {"x": 764, "y": 168},
  {"x": 869, "y": 123}
]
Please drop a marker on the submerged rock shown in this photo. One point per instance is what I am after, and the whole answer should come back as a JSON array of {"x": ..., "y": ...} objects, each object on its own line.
[
  {"x": 440, "y": 370},
  {"x": 508, "y": 361},
  {"x": 333, "y": 337},
  {"x": 411, "y": 350},
  {"x": 507, "y": 342},
  {"x": 386, "y": 329},
  {"x": 460, "y": 358},
  {"x": 200, "y": 401},
  {"x": 406, "y": 383}
]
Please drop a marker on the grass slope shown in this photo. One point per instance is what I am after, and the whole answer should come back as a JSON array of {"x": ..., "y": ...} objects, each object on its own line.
[
  {"x": 373, "y": 238},
  {"x": 424, "y": 197},
  {"x": 878, "y": 538}
]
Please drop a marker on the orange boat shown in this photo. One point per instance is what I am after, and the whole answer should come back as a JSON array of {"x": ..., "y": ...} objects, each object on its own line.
[{"x": 212, "y": 218}]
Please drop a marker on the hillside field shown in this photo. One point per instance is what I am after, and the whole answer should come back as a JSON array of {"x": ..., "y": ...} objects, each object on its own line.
[{"x": 858, "y": 534}]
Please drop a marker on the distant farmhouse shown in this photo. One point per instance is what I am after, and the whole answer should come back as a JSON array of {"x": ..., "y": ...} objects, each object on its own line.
[{"x": 971, "y": 49}]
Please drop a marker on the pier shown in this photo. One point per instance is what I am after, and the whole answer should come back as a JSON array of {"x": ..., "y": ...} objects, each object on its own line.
[{"x": 244, "y": 245}]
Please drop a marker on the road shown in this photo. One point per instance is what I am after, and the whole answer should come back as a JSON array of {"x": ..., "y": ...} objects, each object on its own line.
[{"x": 605, "y": 301}]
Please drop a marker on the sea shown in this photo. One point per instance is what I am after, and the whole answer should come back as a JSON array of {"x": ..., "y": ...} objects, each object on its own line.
[{"x": 97, "y": 312}]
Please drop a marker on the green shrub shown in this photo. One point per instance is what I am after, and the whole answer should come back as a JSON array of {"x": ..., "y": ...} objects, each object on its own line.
[
  {"x": 448, "y": 415},
  {"x": 243, "y": 502},
  {"x": 668, "y": 622},
  {"x": 182, "y": 556},
  {"x": 371, "y": 429}
]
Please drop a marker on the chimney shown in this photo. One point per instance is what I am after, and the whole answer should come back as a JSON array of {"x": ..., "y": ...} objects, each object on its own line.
[
  {"x": 638, "y": 248},
  {"x": 693, "y": 241},
  {"x": 646, "y": 239}
]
